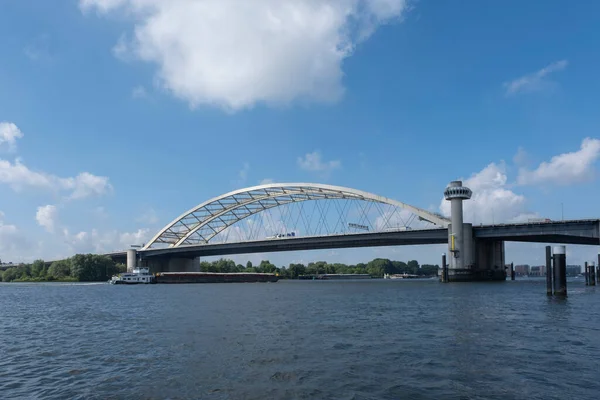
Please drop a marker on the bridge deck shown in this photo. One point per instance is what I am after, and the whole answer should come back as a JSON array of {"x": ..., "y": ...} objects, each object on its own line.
[{"x": 583, "y": 232}]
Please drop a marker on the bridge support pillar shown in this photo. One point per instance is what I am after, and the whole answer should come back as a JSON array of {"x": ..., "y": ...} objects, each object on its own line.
[
  {"x": 586, "y": 273},
  {"x": 485, "y": 262},
  {"x": 598, "y": 268},
  {"x": 131, "y": 260},
  {"x": 549, "y": 271},
  {"x": 173, "y": 264},
  {"x": 490, "y": 258},
  {"x": 560, "y": 270},
  {"x": 461, "y": 262}
]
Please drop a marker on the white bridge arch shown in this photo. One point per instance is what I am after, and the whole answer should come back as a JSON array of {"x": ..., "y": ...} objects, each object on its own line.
[{"x": 211, "y": 217}]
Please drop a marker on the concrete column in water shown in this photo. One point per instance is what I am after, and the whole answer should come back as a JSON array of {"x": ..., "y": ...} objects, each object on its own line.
[
  {"x": 592, "y": 274},
  {"x": 444, "y": 269},
  {"x": 548, "y": 270},
  {"x": 456, "y": 193},
  {"x": 598, "y": 266},
  {"x": 131, "y": 259},
  {"x": 512, "y": 271},
  {"x": 560, "y": 271},
  {"x": 586, "y": 273}
]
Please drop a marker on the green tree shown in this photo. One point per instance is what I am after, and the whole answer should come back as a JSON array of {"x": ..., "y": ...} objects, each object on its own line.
[
  {"x": 226, "y": 266},
  {"x": 91, "y": 267},
  {"x": 295, "y": 270},
  {"x": 9, "y": 275},
  {"x": 380, "y": 266},
  {"x": 413, "y": 267},
  {"x": 206, "y": 266},
  {"x": 266, "y": 267},
  {"x": 399, "y": 267},
  {"x": 60, "y": 269},
  {"x": 249, "y": 264},
  {"x": 38, "y": 269},
  {"x": 428, "y": 270}
]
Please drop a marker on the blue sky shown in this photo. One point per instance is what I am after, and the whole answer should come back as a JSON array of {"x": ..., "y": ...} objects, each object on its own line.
[{"x": 118, "y": 115}]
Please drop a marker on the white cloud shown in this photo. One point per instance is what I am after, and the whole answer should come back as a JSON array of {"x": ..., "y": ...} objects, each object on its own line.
[
  {"x": 313, "y": 162},
  {"x": 396, "y": 218},
  {"x": 95, "y": 241},
  {"x": 148, "y": 216},
  {"x": 234, "y": 54},
  {"x": 521, "y": 157},
  {"x": 266, "y": 181},
  {"x": 19, "y": 176},
  {"x": 492, "y": 200},
  {"x": 534, "y": 81},
  {"x": 13, "y": 243},
  {"x": 566, "y": 168},
  {"x": 9, "y": 133},
  {"x": 243, "y": 174},
  {"x": 139, "y": 92},
  {"x": 65, "y": 244},
  {"x": 46, "y": 217},
  {"x": 86, "y": 185},
  {"x": 100, "y": 212}
]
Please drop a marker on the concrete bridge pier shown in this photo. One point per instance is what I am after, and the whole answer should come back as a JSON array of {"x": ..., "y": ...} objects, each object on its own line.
[
  {"x": 172, "y": 264},
  {"x": 598, "y": 268},
  {"x": 131, "y": 260},
  {"x": 462, "y": 262},
  {"x": 470, "y": 260},
  {"x": 490, "y": 256}
]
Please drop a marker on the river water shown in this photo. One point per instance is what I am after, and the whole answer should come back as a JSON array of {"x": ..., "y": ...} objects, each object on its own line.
[{"x": 375, "y": 339}]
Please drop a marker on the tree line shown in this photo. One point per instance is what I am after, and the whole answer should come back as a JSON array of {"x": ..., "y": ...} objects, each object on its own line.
[
  {"x": 79, "y": 268},
  {"x": 97, "y": 268},
  {"x": 376, "y": 268}
]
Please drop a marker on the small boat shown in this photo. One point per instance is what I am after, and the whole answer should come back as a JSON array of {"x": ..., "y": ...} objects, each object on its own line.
[{"x": 139, "y": 275}]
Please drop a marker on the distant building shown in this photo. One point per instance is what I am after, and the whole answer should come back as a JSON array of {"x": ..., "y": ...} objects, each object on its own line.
[
  {"x": 522, "y": 270},
  {"x": 573, "y": 270},
  {"x": 538, "y": 270}
]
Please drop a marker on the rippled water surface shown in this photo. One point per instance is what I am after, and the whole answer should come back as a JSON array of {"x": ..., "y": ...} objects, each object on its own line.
[{"x": 371, "y": 339}]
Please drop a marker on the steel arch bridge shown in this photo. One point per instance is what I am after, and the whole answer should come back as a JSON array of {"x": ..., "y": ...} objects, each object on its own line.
[{"x": 208, "y": 219}]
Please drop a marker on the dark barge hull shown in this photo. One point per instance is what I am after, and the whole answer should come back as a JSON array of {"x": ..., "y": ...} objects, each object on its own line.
[{"x": 213, "y": 277}]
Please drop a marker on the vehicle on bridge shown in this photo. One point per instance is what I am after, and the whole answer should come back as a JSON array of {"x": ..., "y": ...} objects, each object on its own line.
[
  {"x": 397, "y": 228},
  {"x": 282, "y": 235}
]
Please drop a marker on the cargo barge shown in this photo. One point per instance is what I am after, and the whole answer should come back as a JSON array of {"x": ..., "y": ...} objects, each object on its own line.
[
  {"x": 213, "y": 277},
  {"x": 335, "y": 276}
]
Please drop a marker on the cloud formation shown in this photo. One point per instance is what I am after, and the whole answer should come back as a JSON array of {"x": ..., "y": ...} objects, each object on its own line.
[
  {"x": 46, "y": 217},
  {"x": 148, "y": 217},
  {"x": 18, "y": 176},
  {"x": 313, "y": 162},
  {"x": 98, "y": 242},
  {"x": 234, "y": 54},
  {"x": 12, "y": 240},
  {"x": 534, "y": 81},
  {"x": 492, "y": 200},
  {"x": 565, "y": 169},
  {"x": 139, "y": 92},
  {"x": 9, "y": 133}
]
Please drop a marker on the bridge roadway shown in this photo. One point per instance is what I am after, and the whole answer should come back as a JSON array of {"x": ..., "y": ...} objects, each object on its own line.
[{"x": 583, "y": 232}]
